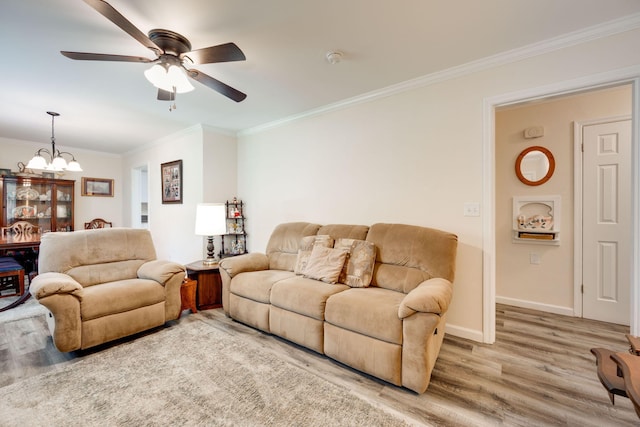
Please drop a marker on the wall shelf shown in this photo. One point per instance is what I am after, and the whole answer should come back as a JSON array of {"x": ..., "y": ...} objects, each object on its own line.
[{"x": 536, "y": 220}]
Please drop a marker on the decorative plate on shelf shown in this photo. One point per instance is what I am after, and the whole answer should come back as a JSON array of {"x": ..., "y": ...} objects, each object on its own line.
[
  {"x": 24, "y": 212},
  {"x": 27, "y": 193}
]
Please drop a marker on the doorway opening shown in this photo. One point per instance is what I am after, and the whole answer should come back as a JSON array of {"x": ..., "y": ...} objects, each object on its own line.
[
  {"x": 140, "y": 197},
  {"x": 492, "y": 219}
]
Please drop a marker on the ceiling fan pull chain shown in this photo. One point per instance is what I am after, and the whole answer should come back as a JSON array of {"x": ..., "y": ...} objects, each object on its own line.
[{"x": 173, "y": 107}]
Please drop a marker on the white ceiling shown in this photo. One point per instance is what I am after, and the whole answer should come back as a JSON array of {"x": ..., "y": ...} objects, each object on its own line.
[{"x": 110, "y": 107}]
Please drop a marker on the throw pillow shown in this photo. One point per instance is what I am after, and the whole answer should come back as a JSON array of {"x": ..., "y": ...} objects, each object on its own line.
[
  {"x": 325, "y": 264},
  {"x": 358, "y": 270},
  {"x": 306, "y": 245}
]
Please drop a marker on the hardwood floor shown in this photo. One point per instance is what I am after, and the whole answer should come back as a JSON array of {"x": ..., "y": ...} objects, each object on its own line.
[{"x": 539, "y": 372}]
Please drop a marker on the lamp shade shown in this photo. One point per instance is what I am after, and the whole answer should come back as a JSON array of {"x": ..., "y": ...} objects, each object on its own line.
[
  {"x": 37, "y": 162},
  {"x": 211, "y": 219}
]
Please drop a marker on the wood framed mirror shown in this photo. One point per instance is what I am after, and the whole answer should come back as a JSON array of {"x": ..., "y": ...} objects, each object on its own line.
[{"x": 535, "y": 165}]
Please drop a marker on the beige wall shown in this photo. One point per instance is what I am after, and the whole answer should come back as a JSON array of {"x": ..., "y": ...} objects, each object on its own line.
[
  {"x": 549, "y": 285},
  {"x": 94, "y": 165},
  {"x": 209, "y": 170},
  {"x": 413, "y": 157}
]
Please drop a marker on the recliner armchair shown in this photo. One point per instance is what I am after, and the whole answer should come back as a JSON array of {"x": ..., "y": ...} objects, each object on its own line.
[{"x": 104, "y": 284}]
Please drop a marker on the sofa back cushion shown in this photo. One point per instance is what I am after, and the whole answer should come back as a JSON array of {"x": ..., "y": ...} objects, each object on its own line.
[
  {"x": 345, "y": 231},
  {"x": 283, "y": 245},
  {"x": 96, "y": 256},
  {"x": 408, "y": 255}
]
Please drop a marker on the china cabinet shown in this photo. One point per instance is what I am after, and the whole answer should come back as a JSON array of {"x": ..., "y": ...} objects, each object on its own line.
[
  {"x": 235, "y": 241},
  {"x": 44, "y": 202}
]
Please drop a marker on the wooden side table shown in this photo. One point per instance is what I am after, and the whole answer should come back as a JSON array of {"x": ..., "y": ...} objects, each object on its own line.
[
  {"x": 188, "y": 295},
  {"x": 209, "y": 288}
]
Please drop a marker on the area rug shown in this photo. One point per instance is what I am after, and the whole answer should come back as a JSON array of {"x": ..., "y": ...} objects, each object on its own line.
[
  {"x": 30, "y": 308},
  {"x": 191, "y": 373}
]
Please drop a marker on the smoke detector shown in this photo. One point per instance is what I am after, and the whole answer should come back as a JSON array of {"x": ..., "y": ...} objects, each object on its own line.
[{"x": 333, "y": 56}]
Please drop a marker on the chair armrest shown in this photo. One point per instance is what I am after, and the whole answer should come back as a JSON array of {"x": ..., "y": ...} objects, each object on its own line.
[
  {"x": 243, "y": 263},
  {"x": 430, "y": 296},
  {"x": 50, "y": 283},
  {"x": 160, "y": 270}
]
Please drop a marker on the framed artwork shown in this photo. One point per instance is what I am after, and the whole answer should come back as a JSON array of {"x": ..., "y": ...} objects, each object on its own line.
[
  {"x": 171, "y": 174},
  {"x": 100, "y": 187}
]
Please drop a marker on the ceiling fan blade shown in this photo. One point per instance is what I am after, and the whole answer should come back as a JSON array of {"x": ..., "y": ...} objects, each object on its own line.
[
  {"x": 217, "y": 85},
  {"x": 103, "y": 57},
  {"x": 114, "y": 16},
  {"x": 221, "y": 53},
  {"x": 164, "y": 95}
]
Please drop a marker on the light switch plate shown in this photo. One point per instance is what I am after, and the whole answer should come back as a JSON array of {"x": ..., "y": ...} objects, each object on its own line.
[{"x": 472, "y": 209}]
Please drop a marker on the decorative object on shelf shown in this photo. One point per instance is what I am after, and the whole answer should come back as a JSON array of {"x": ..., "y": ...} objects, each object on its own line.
[
  {"x": 535, "y": 165},
  {"x": 171, "y": 174},
  {"x": 210, "y": 221},
  {"x": 97, "y": 187},
  {"x": 536, "y": 219},
  {"x": 235, "y": 236},
  {"x": 58, "y": 163}
]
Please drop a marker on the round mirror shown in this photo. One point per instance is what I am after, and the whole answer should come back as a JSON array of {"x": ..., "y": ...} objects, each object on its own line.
[{"x": 535, "y": 165}]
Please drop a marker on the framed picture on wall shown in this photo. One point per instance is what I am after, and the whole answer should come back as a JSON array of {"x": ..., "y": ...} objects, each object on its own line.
[
  {"x": 97, "y": 187},
  {"x": 171, "y": 174}
]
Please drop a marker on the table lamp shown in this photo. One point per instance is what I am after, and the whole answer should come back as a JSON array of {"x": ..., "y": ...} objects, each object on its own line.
[{"x": 210, "y": 221}]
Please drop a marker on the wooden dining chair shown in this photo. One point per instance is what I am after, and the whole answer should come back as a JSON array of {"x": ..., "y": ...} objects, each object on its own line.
[
  {"x": 20, "y": 229},
  {"x": 97, "y": 223}
]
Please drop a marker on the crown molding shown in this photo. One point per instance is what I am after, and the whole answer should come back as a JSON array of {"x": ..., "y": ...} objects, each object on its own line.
[{"x": 600, "y": 31}]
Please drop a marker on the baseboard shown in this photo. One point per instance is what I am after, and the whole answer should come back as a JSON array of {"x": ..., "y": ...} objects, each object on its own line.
[
  {"x": 466, "y": 333},
  {"x": 547, "y": 308}
]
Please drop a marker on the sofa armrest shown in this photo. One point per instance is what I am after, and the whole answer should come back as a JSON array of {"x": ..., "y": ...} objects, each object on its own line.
[
  {"x": 160, "y": 270},
  {"x": 430, "y": 296},
  {"x": 51, "y": 283},
  {"x": 243, "y": 263}
]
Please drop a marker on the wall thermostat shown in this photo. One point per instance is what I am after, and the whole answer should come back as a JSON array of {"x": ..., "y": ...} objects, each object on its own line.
[{"x": 534, "y": 132}]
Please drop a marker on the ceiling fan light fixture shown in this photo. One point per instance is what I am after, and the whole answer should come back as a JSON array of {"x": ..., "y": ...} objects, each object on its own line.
[{"x": 168, "y": 79}]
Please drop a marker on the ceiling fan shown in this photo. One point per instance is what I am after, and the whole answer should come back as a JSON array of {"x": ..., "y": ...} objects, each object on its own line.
[{"x": 173, "y": 55}]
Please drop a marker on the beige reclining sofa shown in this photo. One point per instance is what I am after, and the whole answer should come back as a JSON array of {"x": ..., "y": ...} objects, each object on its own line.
[
  {"x": 384, "y": 315},
  {"x": 104, "y": 284}
]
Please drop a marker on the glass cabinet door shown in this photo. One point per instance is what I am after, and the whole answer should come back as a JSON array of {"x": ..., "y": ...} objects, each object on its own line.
[
  {"x": 64, "y": 207},
  {"x": 45, "y": 203}
]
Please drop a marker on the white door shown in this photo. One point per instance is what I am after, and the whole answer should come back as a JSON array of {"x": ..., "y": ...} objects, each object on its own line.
[{"x": 606, "y": 227}]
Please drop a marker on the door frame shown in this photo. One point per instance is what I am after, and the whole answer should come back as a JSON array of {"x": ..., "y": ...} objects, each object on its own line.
[
  {"x": 578, "y": 163},
  {"x": 629, "y": 75}
]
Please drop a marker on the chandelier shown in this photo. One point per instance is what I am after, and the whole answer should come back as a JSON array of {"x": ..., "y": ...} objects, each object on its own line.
[{"x": 58, "y": 163}]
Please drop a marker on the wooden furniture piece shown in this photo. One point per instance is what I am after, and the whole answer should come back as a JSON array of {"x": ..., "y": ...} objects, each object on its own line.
[
  {"x": 20, "y": 230},
  {"x": 11, "y": 277},
  {"x": 188, "y": 295},
  {"x": 209, "y": 287},
  {"x": 619, "y": 373},
  {"x": 45, "y": 203},
  {"x": 24, "y": 250},
  {"x": 235, "y": 241},
  {"x": 97, "y": 223}
]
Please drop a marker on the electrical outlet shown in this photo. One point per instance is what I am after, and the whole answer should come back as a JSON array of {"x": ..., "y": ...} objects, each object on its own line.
[
  {"x": 534, "y": 258},
  {"x": 472, "y": 209}
]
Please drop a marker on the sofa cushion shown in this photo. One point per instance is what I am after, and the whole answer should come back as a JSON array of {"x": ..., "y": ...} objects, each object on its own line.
[
  {"x": 407, "y": 255},
  {"x": 346, "y": 231},
  {"x": 306, "y": 246},
  {"x": 120, "y": 296},
  {"x": 325, "y": 264},
  {"x": 256, "y": 285},
  {"x": 121, "y": 250},
  {"x": 358, "y": 269},
  {"x": 283, "y": 245},
  {"x": 304, "y": 296},
  {"x": 369, "y": 311}
]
